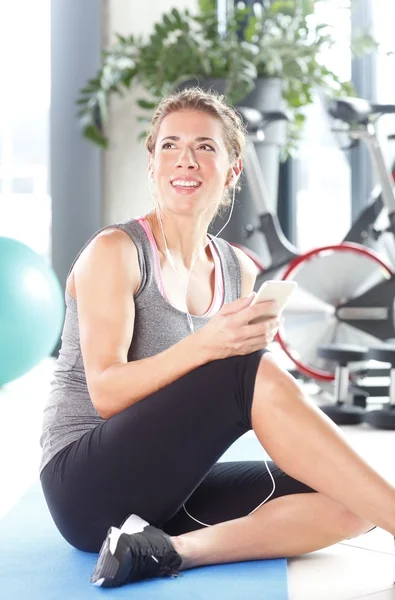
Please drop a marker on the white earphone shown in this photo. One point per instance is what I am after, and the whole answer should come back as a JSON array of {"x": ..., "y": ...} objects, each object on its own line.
[
  {"x": 233, "y": 180},
  {"x": 168, "y": 253},
  {"x": 190, "y": 322}
]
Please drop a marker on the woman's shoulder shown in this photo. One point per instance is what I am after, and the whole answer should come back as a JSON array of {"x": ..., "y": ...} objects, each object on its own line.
[
  {"x": 111, "y": 247},
  {"x": 115, "y": 234},
  {"x": 246, "y": 263},
  {"x": 113, "y": 240},
  {"x": 248, "y": 270}
]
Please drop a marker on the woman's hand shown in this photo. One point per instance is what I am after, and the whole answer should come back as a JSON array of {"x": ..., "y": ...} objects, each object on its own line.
[{"x": 229, "y": 333}]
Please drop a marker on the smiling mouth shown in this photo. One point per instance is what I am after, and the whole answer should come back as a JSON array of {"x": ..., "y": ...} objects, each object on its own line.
[{"x": 192, "y": 185}]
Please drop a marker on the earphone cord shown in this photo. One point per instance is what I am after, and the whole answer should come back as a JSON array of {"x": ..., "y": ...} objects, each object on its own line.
[
  {"x": 190, "y": 322},
  {"x": 168, "y": 254}
]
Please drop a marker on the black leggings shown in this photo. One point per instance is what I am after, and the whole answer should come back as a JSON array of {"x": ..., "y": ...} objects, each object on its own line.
[{"x": 161, "y": 452}]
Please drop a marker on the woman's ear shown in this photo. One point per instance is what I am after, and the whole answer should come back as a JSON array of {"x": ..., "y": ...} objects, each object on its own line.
[
  {"x": 234, "y": 173},
  {"x": 238, "y": 167}
]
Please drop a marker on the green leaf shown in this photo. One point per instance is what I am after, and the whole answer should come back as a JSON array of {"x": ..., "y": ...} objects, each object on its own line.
[
  {"x": 167, "y": 21},
  {"x": 206, "y": 6},
  {"x": 141, "y": 136},
  {"x": 160, "y": 30},
  {"x": 363, "y": 43},
  {"x": 94, "y": 135},
  {"x": 177, "y": 17},
  {"x": 278, "y": 38},
  {"x": 145, "y": 104}
]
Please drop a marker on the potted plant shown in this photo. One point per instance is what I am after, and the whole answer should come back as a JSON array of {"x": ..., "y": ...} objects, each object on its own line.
[
  {"x": 183, "y": 46},
  {"x": 269, "y": 58},
  {"x": 276, "y": 42}
]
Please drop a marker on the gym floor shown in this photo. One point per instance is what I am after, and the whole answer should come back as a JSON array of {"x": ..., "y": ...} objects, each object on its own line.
[{"x": 359, "y": 568}]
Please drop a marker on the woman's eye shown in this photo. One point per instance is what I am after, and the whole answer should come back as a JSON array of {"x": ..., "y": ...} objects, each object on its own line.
[{"x": 204, "y": 146}]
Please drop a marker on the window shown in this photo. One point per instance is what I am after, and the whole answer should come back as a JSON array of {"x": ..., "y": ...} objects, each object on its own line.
[
  {"x": 22, "y": 185},
  {"x": 383, "y": 29},
  {"x": 25, "y": 205},
  {"x": 323, "y": 199}
]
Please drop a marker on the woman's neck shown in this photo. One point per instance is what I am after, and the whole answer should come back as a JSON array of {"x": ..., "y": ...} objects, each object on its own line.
[{"x": 184, "y": 239}]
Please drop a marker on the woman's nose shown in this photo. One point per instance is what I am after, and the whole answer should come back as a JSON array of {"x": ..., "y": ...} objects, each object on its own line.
[{"x": 187, "y": 159}]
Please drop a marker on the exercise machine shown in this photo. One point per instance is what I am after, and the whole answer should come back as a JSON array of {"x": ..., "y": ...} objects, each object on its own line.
[{"x": 346, "y": 291}]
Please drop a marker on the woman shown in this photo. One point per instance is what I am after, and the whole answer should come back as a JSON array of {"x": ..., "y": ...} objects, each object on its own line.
[{"x": 146, "y": 397}]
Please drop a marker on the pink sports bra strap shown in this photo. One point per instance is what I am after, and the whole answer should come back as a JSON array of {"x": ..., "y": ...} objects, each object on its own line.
[{"x": 219, "y": 286}]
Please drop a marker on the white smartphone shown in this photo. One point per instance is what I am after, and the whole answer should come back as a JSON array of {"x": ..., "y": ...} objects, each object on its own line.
[{"x": 276, "y": 290}]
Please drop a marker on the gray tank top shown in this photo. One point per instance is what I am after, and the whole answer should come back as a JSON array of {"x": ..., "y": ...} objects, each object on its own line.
[{"x": 69, "y": 412}]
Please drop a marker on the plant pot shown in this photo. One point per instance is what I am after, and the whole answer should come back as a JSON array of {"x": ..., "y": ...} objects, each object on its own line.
[{"x": 266, "y": 96}]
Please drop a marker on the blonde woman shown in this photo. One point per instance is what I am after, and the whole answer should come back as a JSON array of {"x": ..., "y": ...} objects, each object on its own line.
[{"x": 160, "y": 372}]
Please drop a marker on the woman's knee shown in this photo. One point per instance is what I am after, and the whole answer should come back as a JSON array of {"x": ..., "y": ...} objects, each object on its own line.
[
  {"x": 273, "y": 382},
  {"x": 354, "y": 526},
  {"x": 86, "y": 536}
]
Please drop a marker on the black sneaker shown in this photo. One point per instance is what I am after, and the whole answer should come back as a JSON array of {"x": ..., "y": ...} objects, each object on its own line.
[{"x": 135, "y": 552}]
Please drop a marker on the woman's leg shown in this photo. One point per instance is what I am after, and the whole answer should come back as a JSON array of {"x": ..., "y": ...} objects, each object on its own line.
[
  {"x": 149, "y": 458},
  {"x": 309, "y": 447},
  {"x": 306, "y": 444},
  {"x": 294, "y": 521},
  {"x": 232, "y": 490}
]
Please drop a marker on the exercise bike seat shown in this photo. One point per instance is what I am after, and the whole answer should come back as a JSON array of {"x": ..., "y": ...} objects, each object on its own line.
[
  {"x": 357, "y": 110},
  {"x": 252, "y": 118},
  {"x": 383, "y": 354},
  {"x": 351, "y": 110},
  {"x": 384, "y": 109},
  {"x": 343, "y": 353},
  {"x": 255, "y": 120}
]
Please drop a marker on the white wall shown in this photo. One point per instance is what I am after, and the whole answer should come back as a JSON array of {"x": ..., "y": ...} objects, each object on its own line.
[{"x": 125, "y": 188}]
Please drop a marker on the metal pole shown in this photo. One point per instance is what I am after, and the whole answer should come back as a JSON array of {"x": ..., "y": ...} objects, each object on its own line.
[
  {"x": 75, "y": 165},
  {"x": 363, "y": 70},
  {"x": 224, "y": 9}
]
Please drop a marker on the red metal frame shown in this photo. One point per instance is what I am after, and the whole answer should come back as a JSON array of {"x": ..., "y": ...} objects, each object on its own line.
[{"x": 293, "y": 265}]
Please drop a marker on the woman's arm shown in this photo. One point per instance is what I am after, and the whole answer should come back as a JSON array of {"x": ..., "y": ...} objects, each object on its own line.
[
  {"x": 124, "y": 384},
  {"x": 106, "y": 276}
]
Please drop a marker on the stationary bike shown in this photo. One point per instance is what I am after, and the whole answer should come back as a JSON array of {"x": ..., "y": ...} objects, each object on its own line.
[
  {"x": 346, "y": 291},
  {"x": 336, "y": 282}
]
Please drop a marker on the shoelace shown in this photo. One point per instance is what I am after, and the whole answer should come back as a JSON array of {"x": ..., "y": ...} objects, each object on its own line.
[{"x": 152, "y": 556}]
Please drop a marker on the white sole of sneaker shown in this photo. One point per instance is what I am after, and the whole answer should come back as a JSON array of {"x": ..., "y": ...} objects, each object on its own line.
[
  {"x": 133, "y": 524},
  {"x": 106, "y": 560}
]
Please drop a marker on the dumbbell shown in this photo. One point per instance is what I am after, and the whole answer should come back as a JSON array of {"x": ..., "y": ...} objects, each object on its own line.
[
  {"x": 384, "y": 418},
  {"x": 343, "y": 412}
]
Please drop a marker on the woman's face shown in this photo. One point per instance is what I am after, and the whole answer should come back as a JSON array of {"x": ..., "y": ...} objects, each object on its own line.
[{"x": 190, "y": 164}]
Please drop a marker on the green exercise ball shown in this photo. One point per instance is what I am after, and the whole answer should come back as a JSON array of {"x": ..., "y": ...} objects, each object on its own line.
[{"x": 31, "y": 309}]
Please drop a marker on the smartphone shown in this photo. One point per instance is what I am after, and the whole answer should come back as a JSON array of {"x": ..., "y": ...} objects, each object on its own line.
[{"x": 279, "y": 291}]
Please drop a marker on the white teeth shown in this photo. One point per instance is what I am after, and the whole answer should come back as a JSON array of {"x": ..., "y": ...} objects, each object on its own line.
[{"x": 186, "y": 183}]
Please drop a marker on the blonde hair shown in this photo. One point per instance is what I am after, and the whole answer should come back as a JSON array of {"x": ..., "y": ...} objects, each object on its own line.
[{"x": 213, "y": 103}]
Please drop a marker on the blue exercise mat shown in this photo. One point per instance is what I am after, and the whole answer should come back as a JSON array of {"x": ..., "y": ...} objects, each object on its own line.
[{"x": 36, "y": 563}]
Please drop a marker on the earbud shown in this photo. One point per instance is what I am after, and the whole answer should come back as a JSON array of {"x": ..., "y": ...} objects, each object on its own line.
[{"x": 233, "y": 178}]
